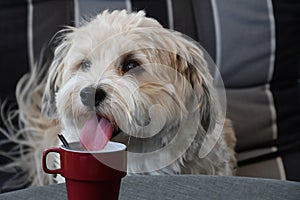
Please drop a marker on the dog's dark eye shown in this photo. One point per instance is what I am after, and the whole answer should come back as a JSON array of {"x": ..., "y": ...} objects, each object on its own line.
[
  {"x": 85, "y": 65},
  {"x": 129, "y": 65}
]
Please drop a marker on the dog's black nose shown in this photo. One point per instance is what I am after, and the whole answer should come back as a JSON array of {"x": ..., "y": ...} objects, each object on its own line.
[
  {"x": 91, "y": 96},
  {"x": 87, "y": 96}
]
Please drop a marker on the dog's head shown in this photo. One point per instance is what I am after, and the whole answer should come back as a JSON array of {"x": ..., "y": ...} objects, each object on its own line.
[{"x": 128, "y": 69}]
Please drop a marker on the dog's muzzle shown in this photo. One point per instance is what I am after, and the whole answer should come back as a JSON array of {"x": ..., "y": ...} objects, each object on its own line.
[{"x": 91, "y": 96}]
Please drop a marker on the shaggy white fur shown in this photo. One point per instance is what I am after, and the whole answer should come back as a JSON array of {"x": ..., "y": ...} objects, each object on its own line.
[{"x": 159, "y": 95}]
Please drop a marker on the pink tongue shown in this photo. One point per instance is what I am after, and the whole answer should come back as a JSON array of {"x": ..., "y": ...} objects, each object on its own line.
[{"x": 95, "y": 134}]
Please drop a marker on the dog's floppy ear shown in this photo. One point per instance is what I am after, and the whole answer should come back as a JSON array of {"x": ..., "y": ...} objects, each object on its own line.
[
  {"x": 54, "y": 79},
  {"x": 202, "y": 83},
  {"x": 196, "y": 71}
]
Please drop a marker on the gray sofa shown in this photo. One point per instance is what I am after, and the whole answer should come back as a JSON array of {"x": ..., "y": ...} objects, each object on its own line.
[
  {"x": 184, "y": 187},
  {"x": 255, "y": 45}
]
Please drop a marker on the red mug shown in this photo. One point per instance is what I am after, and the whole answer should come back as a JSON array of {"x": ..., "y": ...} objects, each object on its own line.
[{"x": 90, "y": 174}]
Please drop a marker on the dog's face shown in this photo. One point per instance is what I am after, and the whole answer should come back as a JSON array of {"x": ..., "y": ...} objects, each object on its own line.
[{"x": 144, "y": 79}]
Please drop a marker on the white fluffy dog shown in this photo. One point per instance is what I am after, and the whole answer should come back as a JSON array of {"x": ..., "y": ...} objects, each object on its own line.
[{"x": 149, "y": 87}]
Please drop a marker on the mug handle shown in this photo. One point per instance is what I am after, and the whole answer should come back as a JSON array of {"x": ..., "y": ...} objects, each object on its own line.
[{"x": 44, "y": 160}]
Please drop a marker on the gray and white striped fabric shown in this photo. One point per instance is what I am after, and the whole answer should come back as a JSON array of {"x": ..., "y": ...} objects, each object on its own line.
[{"x": 255, "y": 45}]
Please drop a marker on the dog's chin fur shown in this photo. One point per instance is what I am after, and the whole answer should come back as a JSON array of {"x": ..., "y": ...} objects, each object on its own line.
[{"x": 170, "y": 88}]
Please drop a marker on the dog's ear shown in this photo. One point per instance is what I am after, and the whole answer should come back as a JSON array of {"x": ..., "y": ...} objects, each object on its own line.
[
  {"x": 196, "y": 71},
  {"x": 49, "y": 108},
  {"x": 202, "y": 85},
  {"x": 54, "y": 79}
]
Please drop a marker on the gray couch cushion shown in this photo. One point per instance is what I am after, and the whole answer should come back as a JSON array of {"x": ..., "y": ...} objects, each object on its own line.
[{"x": 179, "y": 188}]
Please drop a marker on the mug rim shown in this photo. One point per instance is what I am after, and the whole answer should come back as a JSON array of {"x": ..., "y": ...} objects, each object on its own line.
[{"x": 121, "y": 147}]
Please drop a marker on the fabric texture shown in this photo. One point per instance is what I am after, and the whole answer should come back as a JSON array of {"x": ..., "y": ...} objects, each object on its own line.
[
  {"x": 178, "y": 188},
  {"x": 26, "y": 31}
]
